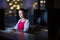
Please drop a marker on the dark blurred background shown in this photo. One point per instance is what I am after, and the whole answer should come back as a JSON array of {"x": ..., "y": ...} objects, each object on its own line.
[
  {"x": 37, "y": 11},
  {"x": 37, "y": 14}
]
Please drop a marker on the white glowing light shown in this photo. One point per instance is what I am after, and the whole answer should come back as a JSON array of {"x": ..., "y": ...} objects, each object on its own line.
[
  {"x": 18, "y": 7},
  {"x": 41, "y": 1},
  {"x": 11, "y": 8}
]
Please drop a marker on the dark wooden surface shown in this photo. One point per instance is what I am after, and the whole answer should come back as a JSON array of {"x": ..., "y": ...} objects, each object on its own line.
[
  {"x": 16, "y": 36},
  {"x": 38, "y": 35}
]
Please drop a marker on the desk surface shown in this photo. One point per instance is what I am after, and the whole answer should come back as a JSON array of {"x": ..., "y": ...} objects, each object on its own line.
[
  {"x": 39, "y": 35},
  {"x": 17, "y": 35}
]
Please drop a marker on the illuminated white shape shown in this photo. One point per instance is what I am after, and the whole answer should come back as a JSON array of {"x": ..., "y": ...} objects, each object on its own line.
[
  {"x": 18, "y": 0},
  {"x": 14, "y": 5},
  {"x": 11, "y": 8},
  {"x": 15, "y": 2},
  {"x": 10, "y": 3},
  {"x": 18, "y": 7},
  {"x": 8, "y": 0},
  {"x": 35, "y": 3},
  {"x": 10, "y": 11},
  {"x": 41, "y": 1},
  {"x": 44, "y": 1}
]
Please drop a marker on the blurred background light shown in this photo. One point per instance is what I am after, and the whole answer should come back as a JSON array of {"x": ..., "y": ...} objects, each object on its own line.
[
  {"x": 11, "y": 8},
  {"x": 14, "y": 0},
  {"x": 10, "y": 3},
  {"x": 7, "y": 0},
  {"x": 41, "y": 1},
  {"x": 6, "y": 13},
  {"x": 44, "y": 1},
  {"x": 14, "y": 5},
  {"x": 18, "y": 0},
  {"x": 35, "y": 3},
  {"x": 10, "y": 11},
  {"x": 18, "y": 7},
  {"x": 21, "y": 4},
  {"x": 15, "y": 15}
]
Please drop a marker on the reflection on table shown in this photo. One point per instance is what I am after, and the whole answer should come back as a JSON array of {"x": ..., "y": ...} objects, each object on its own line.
[{"x": 17, "y": 35}]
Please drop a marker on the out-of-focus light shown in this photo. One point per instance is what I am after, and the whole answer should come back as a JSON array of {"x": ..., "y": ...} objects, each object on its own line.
[
  {"x": 18, "y": 7},
  {"x": 14, "y": 5},
  {"x": 18, "y": 0},
  {"x": 7, "y": 0},
  {"x": 10, "y": 3},
  {"x": 10, "y": 11},
  {"x": 44, "y": 1},
  {"x": 41, "y": 1},
  {"x": 21, "y": 4},
  {"x": 41, "y": 5},
  {"x": 15, "y": 15},
  {"x": 35, "y": 3},
  {"x": 11, "y": 8},
  {"x": 6, "y": 13},
  {"x": 15, "y": 2}
]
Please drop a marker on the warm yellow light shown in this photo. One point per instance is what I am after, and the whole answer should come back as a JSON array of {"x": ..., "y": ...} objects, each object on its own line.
[
  {"x": 14, "y": 0},
  {"x": 41, "y": 1},
  {"x": 8, "y": 0},
  {"x": 10, "y": 11},
  {"x": 10, "y": 3},
  {"x": 14, "y": 5},
  {"x": 18, "y": 7},
  {"x": 18, "y": 0},
  {"x": 11, "y": 8},
  {"x": 35, "y": 3}
]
